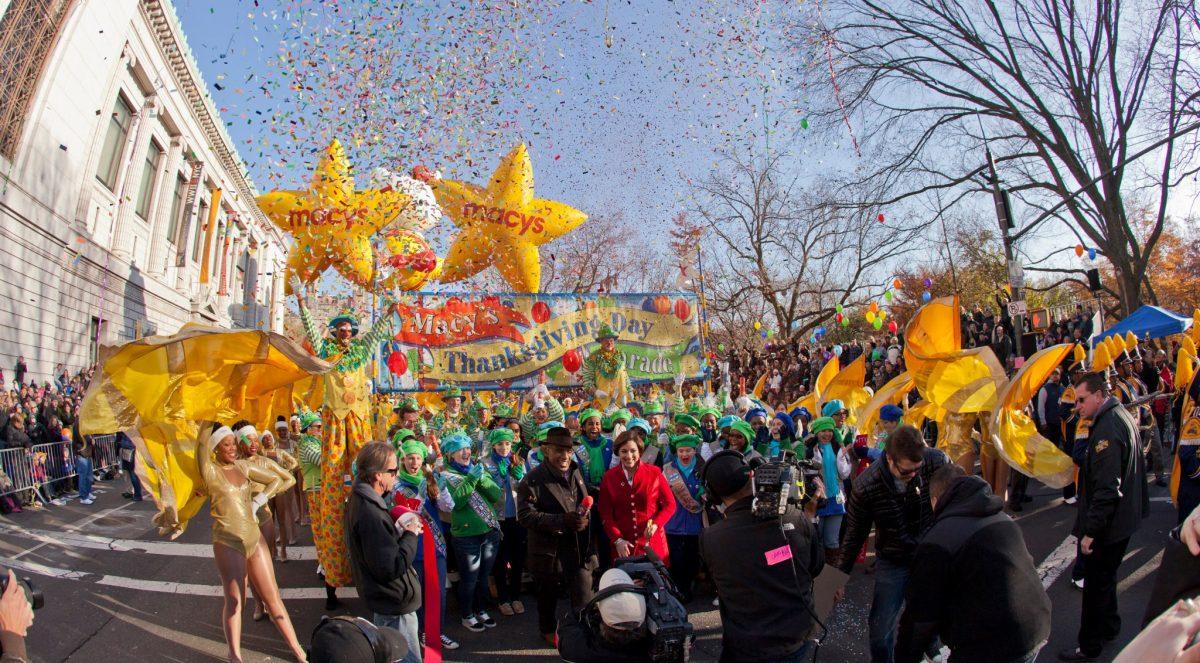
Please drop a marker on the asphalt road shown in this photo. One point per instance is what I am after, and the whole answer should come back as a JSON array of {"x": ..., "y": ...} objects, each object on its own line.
[{"x": 115, "y": 589}]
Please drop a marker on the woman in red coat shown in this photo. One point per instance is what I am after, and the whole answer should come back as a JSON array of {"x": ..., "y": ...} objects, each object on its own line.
[{"x": 635, "y": 501}]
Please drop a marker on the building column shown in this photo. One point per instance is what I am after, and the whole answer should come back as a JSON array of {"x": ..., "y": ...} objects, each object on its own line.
[
  {"x": 129, "y": 179},
  {"x": 156, "y": 263}
]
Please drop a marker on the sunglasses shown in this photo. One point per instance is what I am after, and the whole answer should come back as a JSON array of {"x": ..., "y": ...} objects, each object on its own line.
[
  {"x": 394, "y": 470},
  {"x": 906, "y": 473}
]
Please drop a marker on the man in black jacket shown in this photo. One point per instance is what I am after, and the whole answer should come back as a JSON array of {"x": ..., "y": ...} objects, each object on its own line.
[
  {"x": 893, "y": 495},
  {"x": 550, "y": 504},
  {"x": 1112, "y": 502},
  {"x": 380, "y": 555},
  {"x": 1003, "y": 615},
  {"x": 763, "y": 569}
]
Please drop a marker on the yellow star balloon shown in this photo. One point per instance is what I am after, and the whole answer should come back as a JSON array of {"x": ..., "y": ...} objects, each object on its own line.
[
  {"x": 503, "y": 224},
  {"x": 331, "y": 222}
]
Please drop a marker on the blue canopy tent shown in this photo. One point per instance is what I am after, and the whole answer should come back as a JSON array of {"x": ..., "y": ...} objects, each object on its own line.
[{"x": 1148, "y": 321}]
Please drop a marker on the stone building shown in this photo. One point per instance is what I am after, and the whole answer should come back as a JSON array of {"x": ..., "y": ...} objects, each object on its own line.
[{"x": 125, "y": 209}]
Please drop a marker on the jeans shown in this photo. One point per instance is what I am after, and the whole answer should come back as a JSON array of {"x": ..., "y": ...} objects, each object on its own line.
[
  {"x": 134, "y": 482},
  {"x": 406, "y": 624},
  {"x": 890, "y": 581},
  {"x": 476, "y": 555},
  {"x": 828, "y": 529},
  {"x": 83, "y": 471},
  {"x": 441, "y": 581}
]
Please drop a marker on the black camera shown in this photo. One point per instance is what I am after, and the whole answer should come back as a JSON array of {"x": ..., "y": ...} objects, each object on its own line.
[
  {"x": 666, "y": 618},
  {"x": 32, "y": 593},
  {"x": 781, "y": 481}
]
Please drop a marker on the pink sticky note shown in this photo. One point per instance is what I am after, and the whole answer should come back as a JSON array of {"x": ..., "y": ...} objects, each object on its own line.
[{"x": 780, "y": 554}]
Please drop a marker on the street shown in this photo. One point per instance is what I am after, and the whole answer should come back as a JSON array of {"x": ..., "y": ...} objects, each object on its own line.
[{"x": 115, "y": 589}]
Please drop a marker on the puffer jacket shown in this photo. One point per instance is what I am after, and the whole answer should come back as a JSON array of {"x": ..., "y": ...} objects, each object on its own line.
[{"x": 899, "y": 517}]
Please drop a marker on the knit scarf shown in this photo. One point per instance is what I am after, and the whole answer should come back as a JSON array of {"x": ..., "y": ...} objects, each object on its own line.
[
  {"x": 686, "y": 469},
  {"x": 595, "y": 458},
  {"x": 833, "y": 487},
  {"x": 411, "y": 479}
]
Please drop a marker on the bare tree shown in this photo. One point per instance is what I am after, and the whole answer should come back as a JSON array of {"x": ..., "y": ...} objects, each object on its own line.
[
  {"x": 603, "y": 255},
  {"x": 792, "y": 252},
  {"x": 1083, "y": 104}
]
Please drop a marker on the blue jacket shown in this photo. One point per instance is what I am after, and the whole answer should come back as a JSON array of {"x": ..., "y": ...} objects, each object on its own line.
[{"x": 683, "y": 521}]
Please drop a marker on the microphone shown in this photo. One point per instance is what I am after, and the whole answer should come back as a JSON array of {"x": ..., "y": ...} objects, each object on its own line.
[{"x": 584, "y": 505}]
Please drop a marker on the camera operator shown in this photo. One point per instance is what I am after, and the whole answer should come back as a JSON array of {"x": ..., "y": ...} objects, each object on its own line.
[
  {"x": 611, "y": 629},
  {"x": 763, "y": 569},
  {"x": 16, "y": 616}
]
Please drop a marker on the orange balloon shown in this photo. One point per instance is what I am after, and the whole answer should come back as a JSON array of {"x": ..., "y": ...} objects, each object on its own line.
[
  {"x": 874, "y": 307},
  {"x": 897, "y": 284},
  {"x": 1078, "y": 250}
]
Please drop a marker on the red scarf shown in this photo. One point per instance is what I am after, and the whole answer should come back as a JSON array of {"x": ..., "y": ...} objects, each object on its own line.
[{"x": 433, "y": 595}]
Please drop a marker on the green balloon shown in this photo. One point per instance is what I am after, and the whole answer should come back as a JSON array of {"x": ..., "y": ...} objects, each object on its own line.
[
  {"x": 878, "y": 324},
  {"x": 838, "y": 308},
  {"x": 804, "y": 123},
  {"x": 721, "y": 347},
  {"x": 888, "y": 295},
  {"x": 770, "y": 333},
  {"x": 845, "y": 322}
]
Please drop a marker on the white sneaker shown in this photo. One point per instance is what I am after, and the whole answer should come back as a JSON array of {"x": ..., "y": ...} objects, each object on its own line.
[
  {"x": 1071, "y": 500},
  {"x": 87, "y": 501},
  {"x": 1078, "y": 583},
  {"x": 716, "y": 603},
  {"x": 471, "y": 624},
  {"x": 448, "y": 642}
]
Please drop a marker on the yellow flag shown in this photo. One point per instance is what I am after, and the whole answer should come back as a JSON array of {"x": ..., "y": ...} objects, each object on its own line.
[
  {"x": 892, "y": 393},
  {"x": 813, "y": 399},
  {"x": 758, "y": 386},
  {"x": 847, "y": 386},
  {"x": 1195, "y": 330},
  {"x": 1185, "y": 370},
  {"x": 952, "y": 378},
  {"x": 1015, "y": 436}
]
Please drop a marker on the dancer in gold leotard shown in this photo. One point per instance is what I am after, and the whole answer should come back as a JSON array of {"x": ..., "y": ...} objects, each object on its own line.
[
  {"x": 284, "y": 504},
  {"x": 236, "y": 489}
]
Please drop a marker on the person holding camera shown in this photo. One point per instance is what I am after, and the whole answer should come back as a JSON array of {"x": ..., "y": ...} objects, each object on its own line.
[
  {"x": 893, "y": 495},
  {"x": 553, "y": 504},
  {"x": 16, "y": 616},
  {"x": 763, "y": 569}
]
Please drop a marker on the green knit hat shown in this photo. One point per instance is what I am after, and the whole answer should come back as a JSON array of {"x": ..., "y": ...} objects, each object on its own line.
[
  {"x": 688, "y": 420},
  {"x": 589, "y": 413},
  {"x": 689, "y": 440},
  {"x": 653, "y": 407},
  {"x": 401, "y": 436},
  {"x": 414, "y": 446},
  {"x": 612, "y": 419},
  {"x": 744, "y": 428},
  {"x": 308, "y": 419},
  {"x": 822, "y": 423},
  {"x": 500, "y": 435}
]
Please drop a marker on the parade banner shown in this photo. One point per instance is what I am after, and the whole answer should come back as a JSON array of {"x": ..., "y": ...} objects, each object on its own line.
[{"x": 504, "y": 341}]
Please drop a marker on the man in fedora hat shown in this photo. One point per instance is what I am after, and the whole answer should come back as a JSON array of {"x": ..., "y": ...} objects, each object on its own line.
[
  {"x": 551, "y": 506},
  {"x": 453, "y": 418}
]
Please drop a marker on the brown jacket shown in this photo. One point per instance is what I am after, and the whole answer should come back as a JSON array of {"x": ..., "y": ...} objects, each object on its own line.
[{"x": 543, "y": 498}]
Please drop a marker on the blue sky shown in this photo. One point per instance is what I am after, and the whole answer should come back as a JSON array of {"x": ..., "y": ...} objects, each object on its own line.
[{"x": 454, "y": 85}]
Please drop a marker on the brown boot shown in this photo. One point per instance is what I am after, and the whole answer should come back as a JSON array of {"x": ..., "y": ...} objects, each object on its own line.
[{"x": 833, "y": 556}]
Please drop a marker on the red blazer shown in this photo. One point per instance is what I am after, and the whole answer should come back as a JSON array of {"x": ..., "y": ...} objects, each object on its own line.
[{"x": 625, "y": 509}]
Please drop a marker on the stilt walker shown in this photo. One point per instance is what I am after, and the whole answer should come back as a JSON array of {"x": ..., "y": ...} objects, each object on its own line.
[{"x": 346, "y": 414}]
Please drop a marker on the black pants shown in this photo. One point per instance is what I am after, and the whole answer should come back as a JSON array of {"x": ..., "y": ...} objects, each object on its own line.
[
  {"x": 510, "y": 562},
  {"x": 603, "y": 547},
  {"x": 685, "y": 561},
  {"x": 1018, "y": 486},
  {"x": 578, "y": 584},
  {"x": 1101, "y": 622}
]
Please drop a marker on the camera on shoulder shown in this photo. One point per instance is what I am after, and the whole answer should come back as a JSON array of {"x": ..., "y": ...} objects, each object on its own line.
[
  {"x": 781, "y": 481},
  {"x": 32, "y": 593}
]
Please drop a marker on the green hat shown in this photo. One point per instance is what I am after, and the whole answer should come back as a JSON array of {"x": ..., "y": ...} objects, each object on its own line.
[
  {"x": 822, "y": 423},
  {"x": 345, "y": 317},
  {"x": 451, "y": 392},
  {"x": 407, "y": 403},
  {"x": 744, "y": 428},
  {"x": 689, "y": 440},
  {"x": 500, "y": 435},
  {"x": 589, "y": 413},
  {"x": 619, "y": 415},
  {"x": 502, "y": 411},
  {"x": 705, "y": 411},
  {"x": 307, "y": 419},
  {"x": 478, "y": 405},
  {"x": 401, "y": 435},
  {"x": 414, "y": 446},
  {"x": 455, "y": 442},
  {"x": 653, "y": 407},
  {"x": 544, "y": 428},
  {"x": 605, "y": 332},
  {"x": 688, "y": 420}
]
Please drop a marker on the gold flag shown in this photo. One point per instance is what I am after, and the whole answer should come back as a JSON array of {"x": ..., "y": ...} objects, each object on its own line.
[
  {"x": 1013, "y": 433},
  {"x": 892, "y": 393}
]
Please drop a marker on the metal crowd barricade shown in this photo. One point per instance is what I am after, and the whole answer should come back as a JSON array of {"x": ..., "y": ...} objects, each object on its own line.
[
  {"x": 18, "y": 471},
  {"x": 37, "y": 469},
  {"x": 105, "y": 454}
]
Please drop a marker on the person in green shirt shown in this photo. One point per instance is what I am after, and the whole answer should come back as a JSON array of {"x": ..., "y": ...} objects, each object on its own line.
[
  {"x": 595, "y": 451},
  {"x": 474, "y": 526}
]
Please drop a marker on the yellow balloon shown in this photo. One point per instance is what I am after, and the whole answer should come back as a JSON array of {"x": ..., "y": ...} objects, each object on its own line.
[
  {"x": 408, "y": 263},
  {"x": 870, "y": 316},
  {"x": 502, "y": 225},
  {"x": 757, "y": 325},
  {"x": 331, "y": 222}
]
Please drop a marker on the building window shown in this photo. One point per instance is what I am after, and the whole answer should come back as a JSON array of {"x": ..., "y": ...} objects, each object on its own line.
[
  {"x": 28, "y": 32},
  {"x": 175, "y": 222},
  {"x": 201, "y": 225},
  {"x": 149, "y": 177},
  {"x": 114, "y": 143}
]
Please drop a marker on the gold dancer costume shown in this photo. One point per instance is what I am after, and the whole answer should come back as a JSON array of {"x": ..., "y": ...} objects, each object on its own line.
[{"x": 234, "y": 524}]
